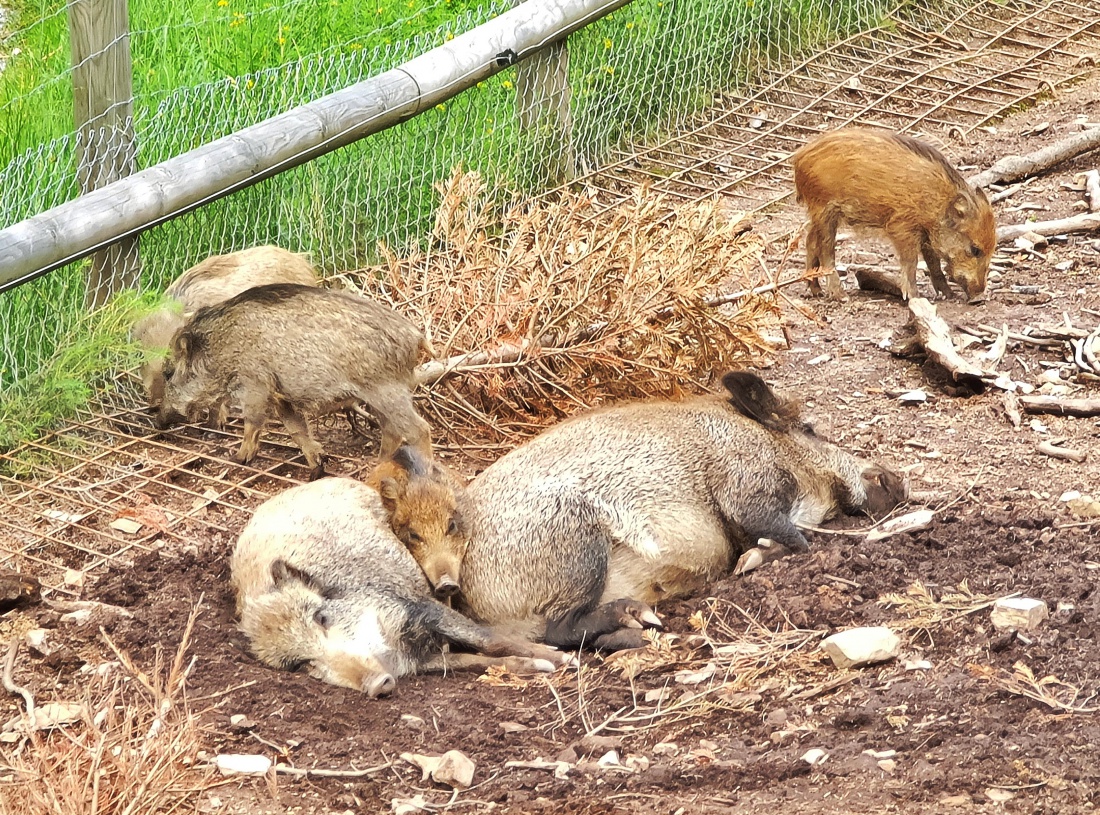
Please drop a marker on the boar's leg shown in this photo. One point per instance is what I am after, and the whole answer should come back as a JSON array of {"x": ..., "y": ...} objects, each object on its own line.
[
  {"x": 463, "y": 631},
  {"x": 907, "y": 245},
  {"x": 298, "y": 428},
  {"x": 821, "y": 253},
  {"x": 253, "y": 397},
  {"x": 479, "y": 662},
  {"x": 393, "y": 406},
  {"x": 932, "y": 260},
  {"x": 609, "y": 627}
]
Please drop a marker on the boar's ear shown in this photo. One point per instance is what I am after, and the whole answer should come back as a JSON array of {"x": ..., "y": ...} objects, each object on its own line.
[
  {"x": 752, "y": 398},
  {"x": 283, "y": 573},
  {"x": 885, "y": 489},
  {"x": 391, "y": 491},
  {"x": 410, "y": 459},
  {"x": 958, "y": 210}
]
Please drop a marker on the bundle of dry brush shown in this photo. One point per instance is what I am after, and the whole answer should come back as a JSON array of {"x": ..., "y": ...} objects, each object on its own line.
[{"x": 547, "y": 308}]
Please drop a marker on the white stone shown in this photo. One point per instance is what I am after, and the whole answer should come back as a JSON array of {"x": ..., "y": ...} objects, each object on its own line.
[
  {"x": 913, "y": 397},
  {"x": 455, "y": 769},
  {"x": 815, "y": 756},
  {"x": 1021, "y": 613},
  {"x": 609, "y": 759},
  {"x": 127, "y": 525},
  {"x": 239, "y": 764},
  {"x": 862, "y": 646}
]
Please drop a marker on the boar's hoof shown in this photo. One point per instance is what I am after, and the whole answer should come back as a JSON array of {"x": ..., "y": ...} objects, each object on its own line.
[
  {"x": 622, "y": 640},
  {"x": 318, "y": 472}
]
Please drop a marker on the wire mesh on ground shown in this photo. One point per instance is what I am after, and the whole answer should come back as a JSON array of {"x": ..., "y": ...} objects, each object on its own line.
[
  {"x": 942, "y": 68},
  {"x": 56, "y": 515}
]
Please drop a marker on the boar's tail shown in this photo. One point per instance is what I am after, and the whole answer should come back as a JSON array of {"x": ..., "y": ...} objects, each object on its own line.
[{"x": 753, "y": 398}]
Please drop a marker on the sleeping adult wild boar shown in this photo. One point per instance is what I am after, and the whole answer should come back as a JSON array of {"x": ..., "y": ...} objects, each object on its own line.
[
  {"x": 303, "y": 352},
  {"x": 906, "y": 188},
  {"x": 321, "y": 582},
  {"x": 208, "y": 283},
  {"x": 646, "y": 501}
]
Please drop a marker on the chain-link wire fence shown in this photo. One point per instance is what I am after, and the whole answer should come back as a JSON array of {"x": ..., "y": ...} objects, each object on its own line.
[{"x": 625, "y": 78}]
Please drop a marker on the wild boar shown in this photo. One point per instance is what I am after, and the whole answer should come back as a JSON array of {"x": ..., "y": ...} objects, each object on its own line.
[
  {"x": 321, "y": 582},
  {"x": 893, "y": 182},
  {"x": 208, "y": 283},
  {"x": 304, "y": 352},
  {"x": 646, "y": 501},
  {"x": 422, "y": 505}
]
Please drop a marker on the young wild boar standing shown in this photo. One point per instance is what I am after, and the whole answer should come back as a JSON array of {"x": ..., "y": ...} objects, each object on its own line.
[
  {"x": 905, "y": 187},
  {"x": 304, "y": 352},
  {"x": 421, "y": 501},
  {"x": 208, "y": 283},
  {"x": 321, "y": 582},
  {"x": 647, "y": 501}
]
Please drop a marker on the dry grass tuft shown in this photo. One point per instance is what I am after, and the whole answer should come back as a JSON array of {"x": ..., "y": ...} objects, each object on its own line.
[
  {"x": 924, "y": 610},
  {"x": 545, "y": 312},
  {"x": 1056, "y": 694},
  {"x": 133, "y": 752}
]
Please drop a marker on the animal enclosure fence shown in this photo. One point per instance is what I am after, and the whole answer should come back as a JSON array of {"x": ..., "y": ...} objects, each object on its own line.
[
  {"x": 629, "y": 76},
  {"x": 952, "y": 67}
]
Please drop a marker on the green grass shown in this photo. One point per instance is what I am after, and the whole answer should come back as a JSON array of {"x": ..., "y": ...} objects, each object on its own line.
[
  {"x": 88, "y": 355},
  {"x": 204, "y": 69}
]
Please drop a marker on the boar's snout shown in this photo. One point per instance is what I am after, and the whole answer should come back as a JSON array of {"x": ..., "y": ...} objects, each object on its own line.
[
  {"x": 167, "y": 417},
  {"x": 446, "y": 587},
  {"x": 381, "y": 685}
]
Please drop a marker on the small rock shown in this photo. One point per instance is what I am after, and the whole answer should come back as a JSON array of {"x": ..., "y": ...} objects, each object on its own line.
[
  {"x": 888, "y": 765},
  {"x": 126, "y": 525},
  {"x": 455, "y": 769},
  {"x": 609, "y": 759},
  {"x": 1020, "y": 613},
  {"x": 241, "y": 723},
  {"x": 818, "y": 360},
  {"x": 74, "y": 577},
  {"x": 695, "y": 677},
  {"x": 1084, "y": 506},
  {"x": 513, "y": 727},
  {"x": 956, "y": 801},
  {"x": 657, "y": 695},
  {"x": 238, "y": 764},
  {"x": 599, "y": 744},
  {"x": 414, "y": 722},
  {"x": 637, "y": 763},
  {"x": 409, "y": 806},
  {"x": 914, "y": 397},
  {"x": 862, "y": 646},
  {"x": 815, "y": 756},
  {"x": 998, "y": 795},
  {"x": 777, "y": 718},
  {"x": 918, "y": 665},
  {"x": 78, "y": 617},
  {"x": 666, "y": 748},
  {"x": 36, "y": 641}
]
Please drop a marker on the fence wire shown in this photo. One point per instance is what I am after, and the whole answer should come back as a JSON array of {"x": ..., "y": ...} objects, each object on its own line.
[{"x": 631, "y": 76}]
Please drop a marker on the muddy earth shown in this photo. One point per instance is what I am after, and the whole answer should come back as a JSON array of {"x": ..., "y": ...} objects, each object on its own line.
[{"x": 968, "y": 718}]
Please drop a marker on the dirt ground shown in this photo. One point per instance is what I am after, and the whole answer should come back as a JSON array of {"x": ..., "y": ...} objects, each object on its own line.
[{"x": 946, "y": 724}]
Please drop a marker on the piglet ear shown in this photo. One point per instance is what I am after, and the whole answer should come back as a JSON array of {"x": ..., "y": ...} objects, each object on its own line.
[
  {"x": 283, "y": 573},
  {"x": 958, "y": 209},
  {"x": 752, "y": 397}
]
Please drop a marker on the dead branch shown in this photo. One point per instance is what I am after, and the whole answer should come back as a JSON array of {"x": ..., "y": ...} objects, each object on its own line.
[
  {"x": 981, "y": 330},
  {"x": 1011, "y": 404},
  {"x": 1060, "y": 407},
  {"x": 876, "y": 280},
  {"x": 1092, "y": 190},
  {"x": 299, "y": 772},
  {"x": 1011, "y": 168},
  {"x": 1064, "y": 453},
  {"x": 935, "y": 335},
  {"x": 1085, "y": 222},
  {"x": 9, "y": 681}
]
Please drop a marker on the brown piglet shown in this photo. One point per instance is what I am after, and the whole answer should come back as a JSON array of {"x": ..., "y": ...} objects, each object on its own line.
[{"x": 893, "y": 182}]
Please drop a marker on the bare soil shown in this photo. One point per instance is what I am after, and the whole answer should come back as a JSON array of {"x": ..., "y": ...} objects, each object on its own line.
[{"x": 961, "y": 740}]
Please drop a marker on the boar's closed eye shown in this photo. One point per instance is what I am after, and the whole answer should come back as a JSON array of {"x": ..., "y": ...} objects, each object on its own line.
[{"x": 975, "y": 250}]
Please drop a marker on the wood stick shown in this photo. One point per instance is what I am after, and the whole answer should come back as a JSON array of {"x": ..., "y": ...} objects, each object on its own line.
[
  {"x": 935, "y": 335},
  {"x": 1052, "y": 450},
  {"x": 9, "y": 681},
  {"x": 1086, "y": 222},
  {"x": 1011, "y": 168},
  {"x": 876, "y": 280},
  {"x": 1092, "y": 190},
  {"x": 300, "y": 772},
  {"x": 1060, "y": 407}
]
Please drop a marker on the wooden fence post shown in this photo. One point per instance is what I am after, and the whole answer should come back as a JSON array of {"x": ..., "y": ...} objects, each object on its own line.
[
  {"x": 545, "y": 120},
  {"x": 99, "y": 32}
]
